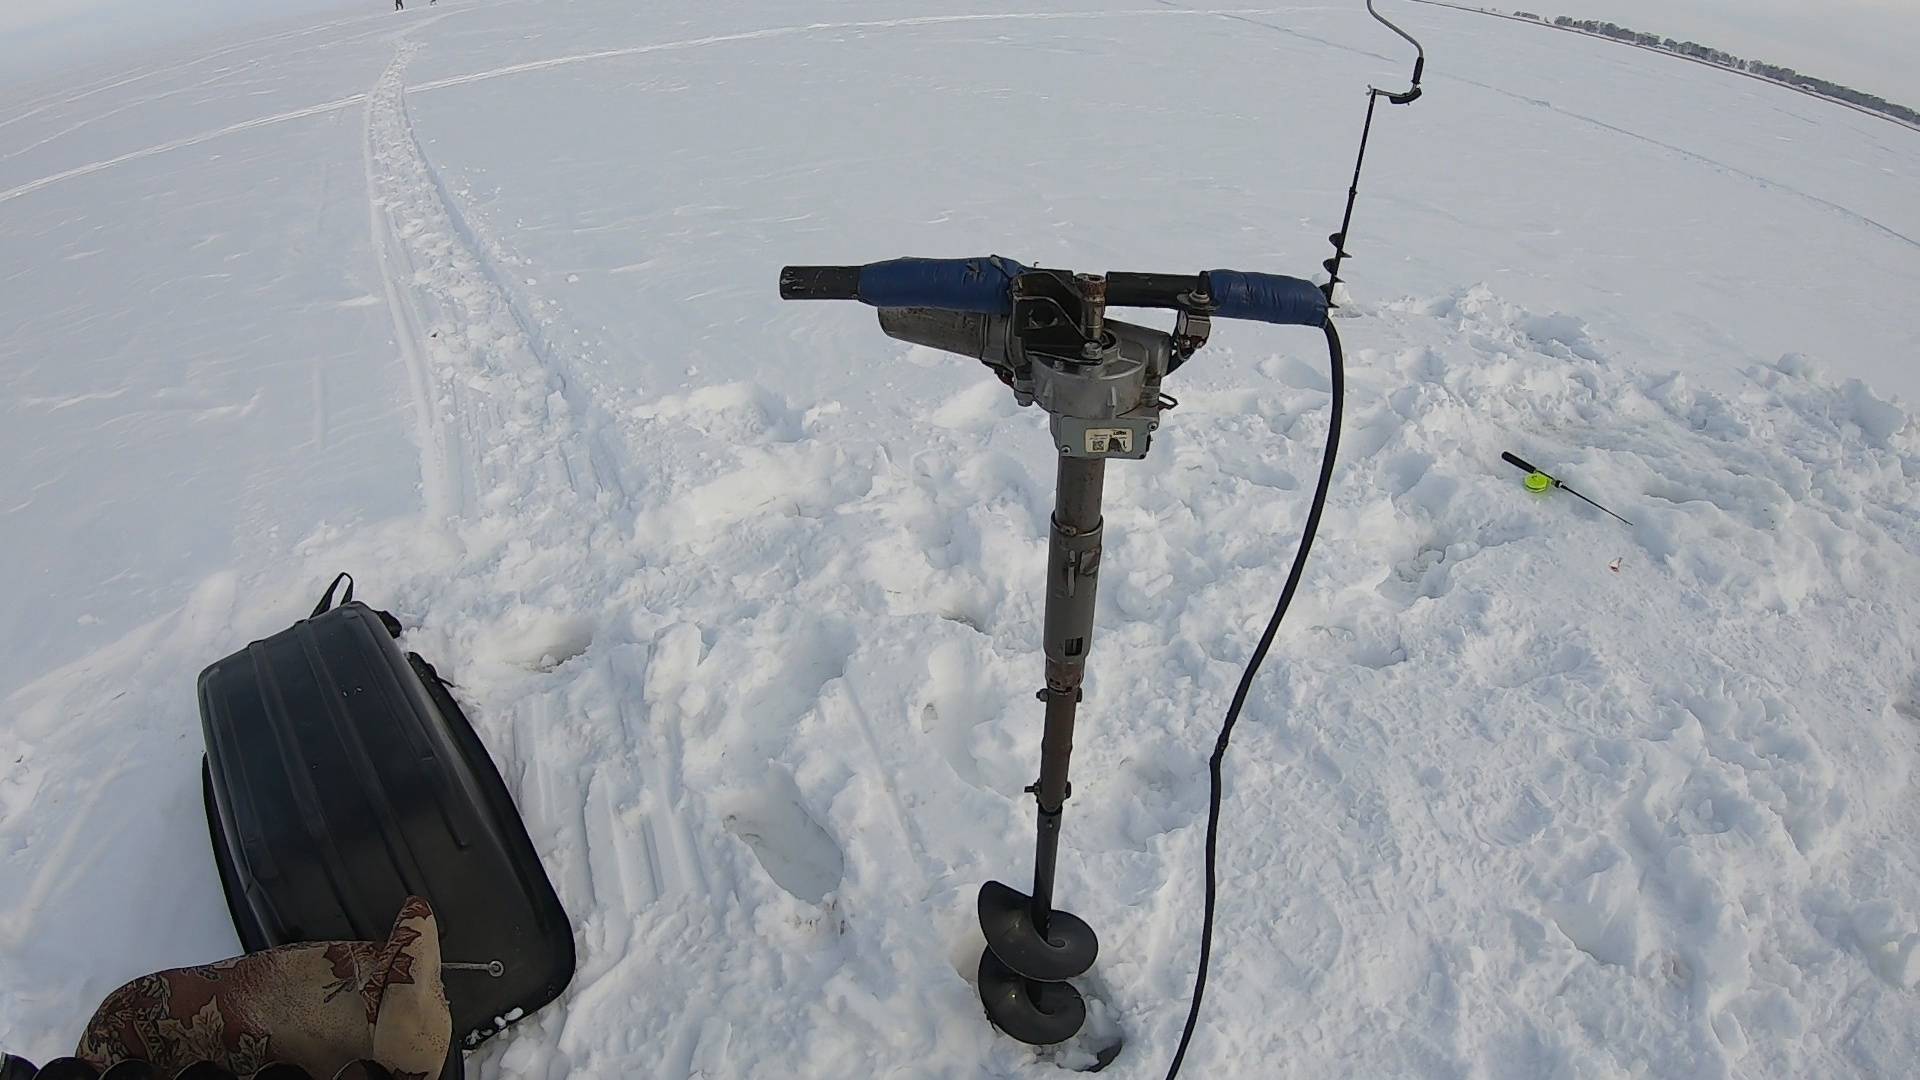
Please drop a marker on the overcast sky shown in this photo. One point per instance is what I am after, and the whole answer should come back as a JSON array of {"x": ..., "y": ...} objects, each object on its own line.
[
  {"x": 1872, "y": 45},
  {"x": 40, "y": 37}
]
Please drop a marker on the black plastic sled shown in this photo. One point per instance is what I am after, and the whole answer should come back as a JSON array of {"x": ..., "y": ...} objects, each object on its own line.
[{"x": 341, "y": 777}]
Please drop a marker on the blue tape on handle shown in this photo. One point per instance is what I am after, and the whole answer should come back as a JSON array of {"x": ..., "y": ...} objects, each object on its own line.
[
  {"x": 1270, "y": 298},
  {"x": 982, "y": 285}
]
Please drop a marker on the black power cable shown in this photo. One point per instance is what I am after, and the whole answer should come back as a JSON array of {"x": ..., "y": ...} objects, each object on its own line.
[{"x": 1337, "y": 361}]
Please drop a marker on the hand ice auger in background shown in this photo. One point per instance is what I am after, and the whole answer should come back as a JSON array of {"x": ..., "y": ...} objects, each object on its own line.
[
  {"x": 1406, "y": 97},
  {"x": 1046, "y": 335}
]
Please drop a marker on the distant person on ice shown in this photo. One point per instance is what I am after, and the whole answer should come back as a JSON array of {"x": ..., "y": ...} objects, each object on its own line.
[{"x": 399, "y": 5}]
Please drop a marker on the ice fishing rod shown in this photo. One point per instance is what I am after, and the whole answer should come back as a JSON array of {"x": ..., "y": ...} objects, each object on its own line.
[{"x": 1539, "y": 481}]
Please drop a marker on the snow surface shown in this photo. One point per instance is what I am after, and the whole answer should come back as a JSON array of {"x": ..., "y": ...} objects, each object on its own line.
[{"x": 478, "y": 302}]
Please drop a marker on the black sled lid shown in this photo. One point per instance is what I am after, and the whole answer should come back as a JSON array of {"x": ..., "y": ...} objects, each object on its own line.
[{"x": 342, "y": 777}]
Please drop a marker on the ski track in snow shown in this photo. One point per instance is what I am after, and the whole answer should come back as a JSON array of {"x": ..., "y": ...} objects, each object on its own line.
[
  {"x": 501, "y": 452},
  {"x": 73, "y": 97},
  {"x": 603, "y": 785},
  {"x": 561, "y": 61},
  {"x": 1447, "y": 77},
  {"x": 1844, "y": 211},
  {"x": 640, "y": 852},
  {"x": 1245, "y": 15},
  {"x": 216, "y": 78}
]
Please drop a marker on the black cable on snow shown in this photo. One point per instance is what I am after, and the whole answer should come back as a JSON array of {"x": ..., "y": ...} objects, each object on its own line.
[{"x": 1337, "y": 361}]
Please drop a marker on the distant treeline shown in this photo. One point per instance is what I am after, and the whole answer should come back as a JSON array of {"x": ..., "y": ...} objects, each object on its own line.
[{"x": 1728, "y": 60}]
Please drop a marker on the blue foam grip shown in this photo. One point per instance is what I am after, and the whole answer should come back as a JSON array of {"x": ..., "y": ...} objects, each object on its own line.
[
  {"x": 983, "y": 286},
  {"x": 1271, "y": 298}
]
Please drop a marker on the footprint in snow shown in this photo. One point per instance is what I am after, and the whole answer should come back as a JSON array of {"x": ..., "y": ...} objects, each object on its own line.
[{"x": 790, "y": 845}]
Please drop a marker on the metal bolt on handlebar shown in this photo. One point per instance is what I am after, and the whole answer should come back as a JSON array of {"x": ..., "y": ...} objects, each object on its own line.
[{"x": 1093, "y": 294}]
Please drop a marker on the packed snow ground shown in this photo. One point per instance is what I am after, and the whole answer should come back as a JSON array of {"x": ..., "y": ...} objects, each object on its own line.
[{"x": 478, "y": 302}]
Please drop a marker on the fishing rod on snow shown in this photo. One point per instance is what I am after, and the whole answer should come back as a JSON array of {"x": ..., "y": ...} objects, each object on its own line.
[
  {"x": 1046, "y": 335},
  {"x": 1540, "y": 483}
]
